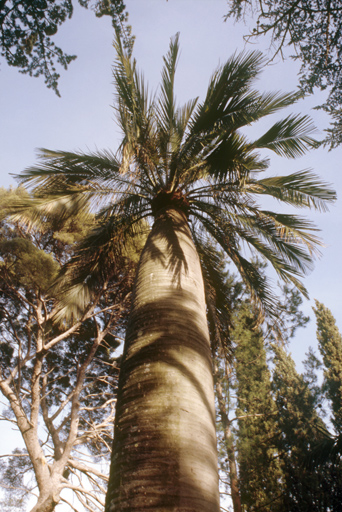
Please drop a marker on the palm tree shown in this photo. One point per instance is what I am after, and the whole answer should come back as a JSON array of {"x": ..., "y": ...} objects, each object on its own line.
[{"x": 191, "y": 173}]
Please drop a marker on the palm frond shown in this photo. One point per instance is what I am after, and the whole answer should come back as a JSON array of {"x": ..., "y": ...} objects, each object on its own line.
[
  {"x": 109, "y": 249},
  {"x": 228, "y": 85},
  {"x": 284, "y": 241},
  {"x": 36, "y": 211},
  {"x": 294, "y": 229},
  {"x": 224, "y": 234},
  {"x": 230, "y": 159},
  {"x": 72, "y": 169},
  {"x": 230, "y": 103},
  {"x": 290, "y": 137},
  {"x": 269, "y": 103},
  {"x": 302, "y": 189},
  {"x": 228, "y": 107},
  {"x": 125, "y": 80},
  {"x": 166, "y": 106},
  {"x": 68, "y": 184},
  {"x": 183, "y": 116},
  {"x": 288, "y": 257},
  {"x": 135, "y": 112}
]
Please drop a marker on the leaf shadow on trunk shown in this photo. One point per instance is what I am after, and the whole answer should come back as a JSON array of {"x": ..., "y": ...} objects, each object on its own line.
[
  {"x": 181, "y": 329},
  {"x": 165, "y": 406},
  {"x": 167, "y": 229}
]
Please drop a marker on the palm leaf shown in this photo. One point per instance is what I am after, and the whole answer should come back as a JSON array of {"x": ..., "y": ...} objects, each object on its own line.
[
  {"x": 289, "y": 137},
  {"x": 301, "y": 189},
  {"x": 197, "y": 157},
  {"x": 227, "y": 238},
  {"x": 166, "y": 106},
  {"x": 110, "y": 248}
]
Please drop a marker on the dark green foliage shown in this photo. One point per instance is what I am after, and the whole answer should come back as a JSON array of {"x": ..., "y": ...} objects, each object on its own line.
[
  {"x": 259, "y": 467},
  {"x": 314, "y": 29},
  {"x": 330, "y": 346},
  {"x": 286, "y": 458},
  {"x": 27, "y": 29},
  {"x": 306, "y": 488},
  {"x": 312, "y": 366},
  {"x": 28, "y": 265},
  {"x": 329, "y": 449},
  {"x": 247, "y": 414},
  {"x": 6, "y": 354}
]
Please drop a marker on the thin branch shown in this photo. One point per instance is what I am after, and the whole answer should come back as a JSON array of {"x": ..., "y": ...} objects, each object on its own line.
[
  {"x": 87, "y": 469},
  {"x": 3, "y": 418},
  {"x": 29, "y": 491},
  {"x": 15, "y": 455},
  {"x": 68, "y": 503},
  {"x": 96, "y": 408},
  {"x": 84, "y": 492}
]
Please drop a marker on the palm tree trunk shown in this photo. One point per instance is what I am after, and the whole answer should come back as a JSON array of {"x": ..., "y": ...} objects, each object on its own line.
[{"x": 164, "y": 453}]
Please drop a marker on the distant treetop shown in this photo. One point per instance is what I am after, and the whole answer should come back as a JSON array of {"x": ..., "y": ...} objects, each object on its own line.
[
  {"x": 27, "y": 28},
  {"x": 314, "y": 29}
]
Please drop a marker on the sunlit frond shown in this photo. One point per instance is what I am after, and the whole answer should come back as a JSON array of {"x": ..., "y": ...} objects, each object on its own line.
[
  {"x": 302, "y": 189},
  {"x": 196, "y": 158},
  {"x": 113, "y": 245},
  {"x": 290, "y": 137},
  {"x": 35, "y": 212},
  {"x": 166, "y": 105}
]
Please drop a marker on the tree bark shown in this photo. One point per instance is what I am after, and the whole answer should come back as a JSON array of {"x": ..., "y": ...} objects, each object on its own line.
[
  {"x": 164, "y": 453},
  {"x": 49, "y": 489},
  {"x": 46, "y": 500},
  {"x": 228, "y": 437}
]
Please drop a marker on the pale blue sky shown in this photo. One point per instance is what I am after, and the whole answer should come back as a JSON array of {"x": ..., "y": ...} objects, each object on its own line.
[{"x": 32, "y": 116}]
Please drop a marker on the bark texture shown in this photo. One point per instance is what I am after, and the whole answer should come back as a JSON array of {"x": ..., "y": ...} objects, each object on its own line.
[
  {"x": 164, "y": 452},
  {"x": 228, "y": 437}
]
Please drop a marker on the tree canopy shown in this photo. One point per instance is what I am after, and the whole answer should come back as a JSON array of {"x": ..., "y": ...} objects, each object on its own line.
[
  {"x": 198, "y": 158},
  {"x": 193, "y": 174},
  {"x": 314, "y": 30},
  {"x": 330, "y": 346},
  {"x": 27, "y": 30},
  {"x": 274, "y": 442},
  {"x": 59, "y": 379}
]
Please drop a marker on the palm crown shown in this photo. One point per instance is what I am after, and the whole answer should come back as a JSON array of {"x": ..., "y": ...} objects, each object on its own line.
[{"x": 195, "y": 159}]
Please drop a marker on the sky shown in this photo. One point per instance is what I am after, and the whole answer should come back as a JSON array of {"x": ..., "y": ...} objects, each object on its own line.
[{"x": 31, "y": 116}]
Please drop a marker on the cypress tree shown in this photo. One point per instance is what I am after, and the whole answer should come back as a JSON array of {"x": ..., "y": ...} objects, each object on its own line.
[
  {"x": 306, "y": 488},
  {"x": 259, "y": 467},
  {"x": 330, "y": 345}
]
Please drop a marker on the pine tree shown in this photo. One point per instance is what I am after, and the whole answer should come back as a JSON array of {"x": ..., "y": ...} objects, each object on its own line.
[{"x": 59, "y": 380}]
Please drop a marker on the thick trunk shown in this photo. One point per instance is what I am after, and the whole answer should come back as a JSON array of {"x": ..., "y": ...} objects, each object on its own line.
[
  {"x": 45, "y": 503},
  {"x": 164, "y": 453},
  {"x": 48, "y": 488}
]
